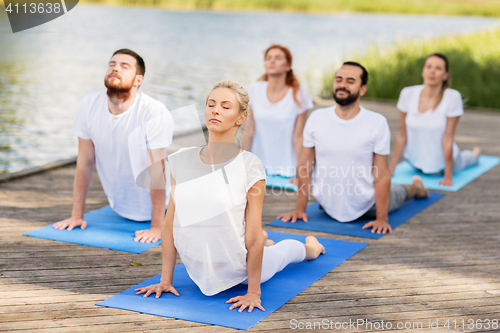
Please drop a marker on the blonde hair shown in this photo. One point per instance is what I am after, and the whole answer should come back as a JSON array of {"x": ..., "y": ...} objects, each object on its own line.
[
  {"x": 243, "y": 99},
  {"x": 240, "y": 93}
]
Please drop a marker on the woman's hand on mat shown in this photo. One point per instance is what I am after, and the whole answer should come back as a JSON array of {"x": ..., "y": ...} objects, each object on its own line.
[
  {"x": 293, "y": 216},
  {"x": 293, "y": 181},
  {"x": 250, "y": 301},
  {"x": 71, "y": 223},
  {"x": 157, "y": 289},
  {"x": 379, "y": 226},
  {"x": 446, "y": 181},
  {"x": 148, "y": 235}
]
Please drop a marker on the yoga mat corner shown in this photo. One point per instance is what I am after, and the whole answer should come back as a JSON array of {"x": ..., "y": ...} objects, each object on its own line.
[
  {"x": 280, "y": 182},
  {"x": 105, "y": 229},
  {"x": 404, "y": 173}
]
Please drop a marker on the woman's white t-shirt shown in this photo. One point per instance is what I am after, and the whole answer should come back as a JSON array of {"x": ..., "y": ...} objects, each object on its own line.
[
  {"x": 425, "y": 131},
  {"x": 209, "y": 221},
  {"x": 274, "y": 126},
  {"x": 343, "y": 173}
]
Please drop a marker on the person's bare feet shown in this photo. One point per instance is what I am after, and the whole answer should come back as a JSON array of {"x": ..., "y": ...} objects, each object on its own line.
[
  {"x": 267, "y": 242},
  {"x": 420, "y": 191},
  {"x": 477, "y": 151},
  {"x": 313, "y": 248}
]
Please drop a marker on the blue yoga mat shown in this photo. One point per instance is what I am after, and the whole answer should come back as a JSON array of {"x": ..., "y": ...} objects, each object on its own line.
[
  {"x": 404, "y": 172},
  {"x": 322, "y": 222},
  {"x": 192, "y": 305},
  {"x": 105, "y": 229},
  {"x": 280, "y": 182}
]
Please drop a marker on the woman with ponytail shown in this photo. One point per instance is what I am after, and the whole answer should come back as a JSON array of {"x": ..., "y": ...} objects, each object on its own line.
[
  {"x": 278, "y": 114},
  {"x": 429, "y": 117}
]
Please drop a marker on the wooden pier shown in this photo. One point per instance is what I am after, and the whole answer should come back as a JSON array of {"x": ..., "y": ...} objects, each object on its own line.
[{"x": 441, "y": 265}]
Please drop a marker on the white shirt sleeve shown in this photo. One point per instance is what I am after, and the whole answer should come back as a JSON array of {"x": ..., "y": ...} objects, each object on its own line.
[
  {"x": 404, "y": 100},
  {"x": 80, "y": 124},
  {"x": 383, "y": 139},
  {"x": 255, "y": 171},
  {"x": 455, "y": 106},
  {"x": 172, "y": 164},
  {"x": 308, "y": 137},
  {"x": 159, "y": 128},
  {"x": 305, "y": 100}
]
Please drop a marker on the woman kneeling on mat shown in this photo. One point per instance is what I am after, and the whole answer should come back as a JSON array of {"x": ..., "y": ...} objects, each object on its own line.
[
  {"x": 429, "y": 117},
  {"x": 214, "y": 216}
]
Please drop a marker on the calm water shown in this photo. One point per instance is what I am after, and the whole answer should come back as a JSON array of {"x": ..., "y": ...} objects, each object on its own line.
[{"x": 45, "y": 71}]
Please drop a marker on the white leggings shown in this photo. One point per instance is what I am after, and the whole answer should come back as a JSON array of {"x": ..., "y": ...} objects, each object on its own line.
[
  {"x": 465, "y": 159},
  {"x": 278, "y": 256}
]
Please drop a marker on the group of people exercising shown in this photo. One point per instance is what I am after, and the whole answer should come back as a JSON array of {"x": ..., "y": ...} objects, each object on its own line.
[{"x": 213, "y": 195}]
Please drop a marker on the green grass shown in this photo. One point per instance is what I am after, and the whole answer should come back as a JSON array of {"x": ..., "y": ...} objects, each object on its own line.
[
  {"x": 441, "y": 7},
  {"x": 474, "y": 65}
]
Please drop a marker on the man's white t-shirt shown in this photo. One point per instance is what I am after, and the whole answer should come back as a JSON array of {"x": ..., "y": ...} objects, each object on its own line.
[
  {"x": 110, "y": 135},
  {"x": 209, "y": 221},
  {"x": 425, "y": 131},
  {"x": 343, "y": 173},
  {"x": 274, "y": 126}
]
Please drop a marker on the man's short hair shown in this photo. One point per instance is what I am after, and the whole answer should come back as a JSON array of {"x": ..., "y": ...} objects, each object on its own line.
[
  {"x": 364, "y": 74},
  {"x": 140, "y": 66}
]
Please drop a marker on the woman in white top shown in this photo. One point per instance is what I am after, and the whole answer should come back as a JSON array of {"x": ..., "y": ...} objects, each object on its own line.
[
  {"x": 278, "y": 114},
  {"x": 429, "y": 117},
  {"x": 213, "y": 218}
]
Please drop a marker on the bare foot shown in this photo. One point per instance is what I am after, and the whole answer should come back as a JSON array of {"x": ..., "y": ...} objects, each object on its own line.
[
  {"x": 313, "y": 248},
  {"x": 421, "y": 192},
  {"x": 267, "y": 242},
  {"x": 477, "y": 151}
]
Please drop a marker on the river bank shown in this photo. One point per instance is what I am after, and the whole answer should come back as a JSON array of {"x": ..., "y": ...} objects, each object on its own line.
[{"x": 46, "y": 71}]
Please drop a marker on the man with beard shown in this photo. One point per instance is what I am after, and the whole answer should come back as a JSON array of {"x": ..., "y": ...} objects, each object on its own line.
[
  {"x": 103, "y": 124},
  {"x": 348, "y": 146}
]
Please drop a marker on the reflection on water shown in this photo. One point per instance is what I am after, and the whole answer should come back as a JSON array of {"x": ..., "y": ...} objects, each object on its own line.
[
  {"x": 11, "y": 117},
  {"x": 45, "y": 71}
]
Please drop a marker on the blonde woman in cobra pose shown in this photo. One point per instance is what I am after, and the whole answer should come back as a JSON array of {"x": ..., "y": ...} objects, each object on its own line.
[
  {"x": 213, "y": 218},
  {"x": 429, "y": 117}
]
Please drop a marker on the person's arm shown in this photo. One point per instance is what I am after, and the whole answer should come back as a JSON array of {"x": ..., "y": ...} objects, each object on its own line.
[
  {"x": 298, "y": 134},
  {"x": 304, "y": 171},
  {"x": 156, "y": 162},
  {"x": 254, "y": 242},
  {"x": 153, "y": 234},
  {"x": 400, "y": 142},
  {"x": 448, "y": 139},
  {"x": 382, "y": 183},
  {"x": 248, "y": 131},
  {"x": 169, "y": 253},
  {"x": 84, "y": 167}
]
